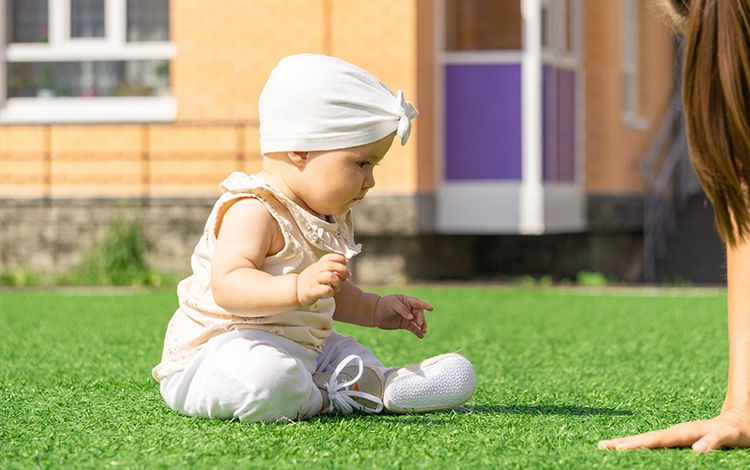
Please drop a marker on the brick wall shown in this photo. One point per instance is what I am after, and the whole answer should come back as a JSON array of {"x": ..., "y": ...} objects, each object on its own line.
[
  {"x": 225, "y": 51},
  {"x": 225, "y": 58},
  {"x": 177, "y": 160},
  {"x": 612, "y": 148},
  {"x": 52, "y": 236}
]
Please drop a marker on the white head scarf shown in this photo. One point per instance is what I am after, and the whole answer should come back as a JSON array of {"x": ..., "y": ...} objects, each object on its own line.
[{"x": 316, "y": 102}]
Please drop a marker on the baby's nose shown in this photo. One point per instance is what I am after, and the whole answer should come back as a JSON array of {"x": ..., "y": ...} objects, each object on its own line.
[{"x": 369, "y": 182}]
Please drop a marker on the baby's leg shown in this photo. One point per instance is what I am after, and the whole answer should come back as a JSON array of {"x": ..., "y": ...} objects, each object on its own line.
[
  {"x": 247, "y": 375},
  {"x": 339, "y": 347},
  {"x": 439, "y": 383}
]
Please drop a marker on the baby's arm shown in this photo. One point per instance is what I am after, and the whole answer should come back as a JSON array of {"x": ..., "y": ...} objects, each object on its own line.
[
  {"x": 390, "y": 312},
  {"x": 247, "y": 234}
]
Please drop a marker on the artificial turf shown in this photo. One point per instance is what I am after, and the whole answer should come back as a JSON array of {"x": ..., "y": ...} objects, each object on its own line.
[{"x": 557, "y": 371}]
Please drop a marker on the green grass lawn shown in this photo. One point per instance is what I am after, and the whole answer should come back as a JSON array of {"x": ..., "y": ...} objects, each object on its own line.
[{"x": 557, "y": 371}]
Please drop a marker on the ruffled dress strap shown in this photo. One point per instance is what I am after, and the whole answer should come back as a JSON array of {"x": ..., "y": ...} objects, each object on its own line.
[{"x": 335, "y": 236}]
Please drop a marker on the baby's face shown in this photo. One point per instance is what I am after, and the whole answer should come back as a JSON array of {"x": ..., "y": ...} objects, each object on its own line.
[{"x": 333, "y": 180}]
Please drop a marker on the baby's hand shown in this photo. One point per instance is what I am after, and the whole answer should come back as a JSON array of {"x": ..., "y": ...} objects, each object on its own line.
[
  {"x": 322, "y": 279},
  {"x": 397, "y": 311}
]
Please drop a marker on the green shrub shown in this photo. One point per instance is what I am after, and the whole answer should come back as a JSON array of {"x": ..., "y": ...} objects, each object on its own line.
[
  {"x": 19, "y": 277},
  {"x": 588, "y": 278},
  {"x": 119, "y": 259}
]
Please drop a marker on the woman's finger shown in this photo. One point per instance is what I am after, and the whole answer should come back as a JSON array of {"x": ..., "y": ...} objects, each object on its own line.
[{"x": 681, "y": 435}]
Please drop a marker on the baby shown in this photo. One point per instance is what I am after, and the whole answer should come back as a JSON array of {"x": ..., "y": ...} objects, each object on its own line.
[{"x": 253, "y": 338}]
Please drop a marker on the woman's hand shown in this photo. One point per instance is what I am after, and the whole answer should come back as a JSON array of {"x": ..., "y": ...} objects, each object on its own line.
[
  {"x": 397, "y": 311},
  {"x": 728, "y": 430}
]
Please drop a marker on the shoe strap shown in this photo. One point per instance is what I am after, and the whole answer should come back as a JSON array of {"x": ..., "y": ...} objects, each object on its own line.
[{"x": 342, "y": 398}]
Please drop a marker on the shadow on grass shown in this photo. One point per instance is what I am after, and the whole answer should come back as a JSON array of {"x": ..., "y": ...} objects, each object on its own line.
[
  {"x": 546, "y": 410},
  {"x": 441, "y": 417},
  {"x": 540, "y": 410}
]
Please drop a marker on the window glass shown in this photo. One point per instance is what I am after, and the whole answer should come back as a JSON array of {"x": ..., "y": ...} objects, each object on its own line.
[
  {"x": 86, "y": 18},
  {"x": 570, "y": 45},
  {"x": 148, "y": 20},
  {"x": 629, "y": 57},
  {"x": 27, "y": 21},
  {"x": 546, "y": 24},
  {"x": 473, "y": 25},
  {"x": 88, "y": 78}
]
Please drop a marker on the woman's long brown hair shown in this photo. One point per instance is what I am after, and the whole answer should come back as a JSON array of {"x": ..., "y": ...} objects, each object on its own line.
[{"x": 716, "y": 96}]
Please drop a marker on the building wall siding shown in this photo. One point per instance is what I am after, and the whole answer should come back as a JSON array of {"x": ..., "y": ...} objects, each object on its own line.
[
  {"x": 223, "y": 60},
  {"x": 612, "y": 148}
]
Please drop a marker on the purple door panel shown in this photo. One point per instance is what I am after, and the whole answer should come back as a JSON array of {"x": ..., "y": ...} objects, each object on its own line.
[
  {"x": 559, "y": 124},
  {"x": 483, "y": 122}
]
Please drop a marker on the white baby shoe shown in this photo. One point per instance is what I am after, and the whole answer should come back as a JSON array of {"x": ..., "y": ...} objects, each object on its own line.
[{"x": 439, "y": 383}]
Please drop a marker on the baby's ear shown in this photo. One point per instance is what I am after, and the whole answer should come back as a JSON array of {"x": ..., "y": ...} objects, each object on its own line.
[{"x": 298, "y": 158}]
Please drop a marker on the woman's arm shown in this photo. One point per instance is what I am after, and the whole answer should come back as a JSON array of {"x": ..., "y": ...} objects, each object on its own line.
[
  {"x": 738, "y": 290},
  {"x": 732, "y": 427}
]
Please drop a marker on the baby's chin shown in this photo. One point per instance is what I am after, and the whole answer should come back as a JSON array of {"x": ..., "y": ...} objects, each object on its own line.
[
  {"x": 338, "y": 213},
  {"x": 341, "y": 210}
]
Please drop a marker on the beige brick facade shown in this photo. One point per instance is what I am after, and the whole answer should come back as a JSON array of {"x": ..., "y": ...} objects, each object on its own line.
[
  {"x": 225, "y": 52},
  {"x": 223, "y": 59},
  {"x": 222, "y": 63},
  {"x": 612, "y": 148}
]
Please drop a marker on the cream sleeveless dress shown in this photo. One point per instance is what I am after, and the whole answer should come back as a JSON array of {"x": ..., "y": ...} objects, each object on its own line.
[{"x": 306, "y": 239}]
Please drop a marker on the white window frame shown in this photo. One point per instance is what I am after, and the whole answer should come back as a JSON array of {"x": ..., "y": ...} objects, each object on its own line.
[
  {"x": 61, "y": 47},
  {"x": 556, "y": 29},
  {"x": 629, "y": 65}
]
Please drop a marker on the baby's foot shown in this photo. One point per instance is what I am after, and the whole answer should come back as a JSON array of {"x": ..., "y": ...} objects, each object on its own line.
[
  {"x": 439, "y": 383},
  {"x": 352, "y": 388}
]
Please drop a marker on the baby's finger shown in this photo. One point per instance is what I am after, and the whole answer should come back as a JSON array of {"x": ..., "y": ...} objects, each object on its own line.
[
  {"x": 423, "y": 326},
  {"x": 315, "y": 292},
  {"x": 325, "y": 284},
  {"x": 416, "y": 330},
  {"x": 337, "y": 268},
  {"x": 335, "y": 281},
  {"x": 416, "y": 303},
  {"x": 334, "y": 258},
  {"x": 403, "y": 310},
  {"x": 419, "y": 317}
]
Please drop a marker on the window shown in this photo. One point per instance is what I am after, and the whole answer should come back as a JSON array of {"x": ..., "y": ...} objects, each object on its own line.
[
  {"x": 87, "y": 19},
  {"x": 629, "y": 61},
  {"x": 480, "y": 25},
  {"x": 561, "y": 35},
  {"x": 85, "y": 61}
]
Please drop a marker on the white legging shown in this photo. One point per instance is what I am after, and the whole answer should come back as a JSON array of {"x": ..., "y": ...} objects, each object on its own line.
[{"x": 256, "y": 376}]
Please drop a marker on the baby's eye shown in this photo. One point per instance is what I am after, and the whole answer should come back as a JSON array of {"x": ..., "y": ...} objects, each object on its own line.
[{"x": 362, "y": 164}]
